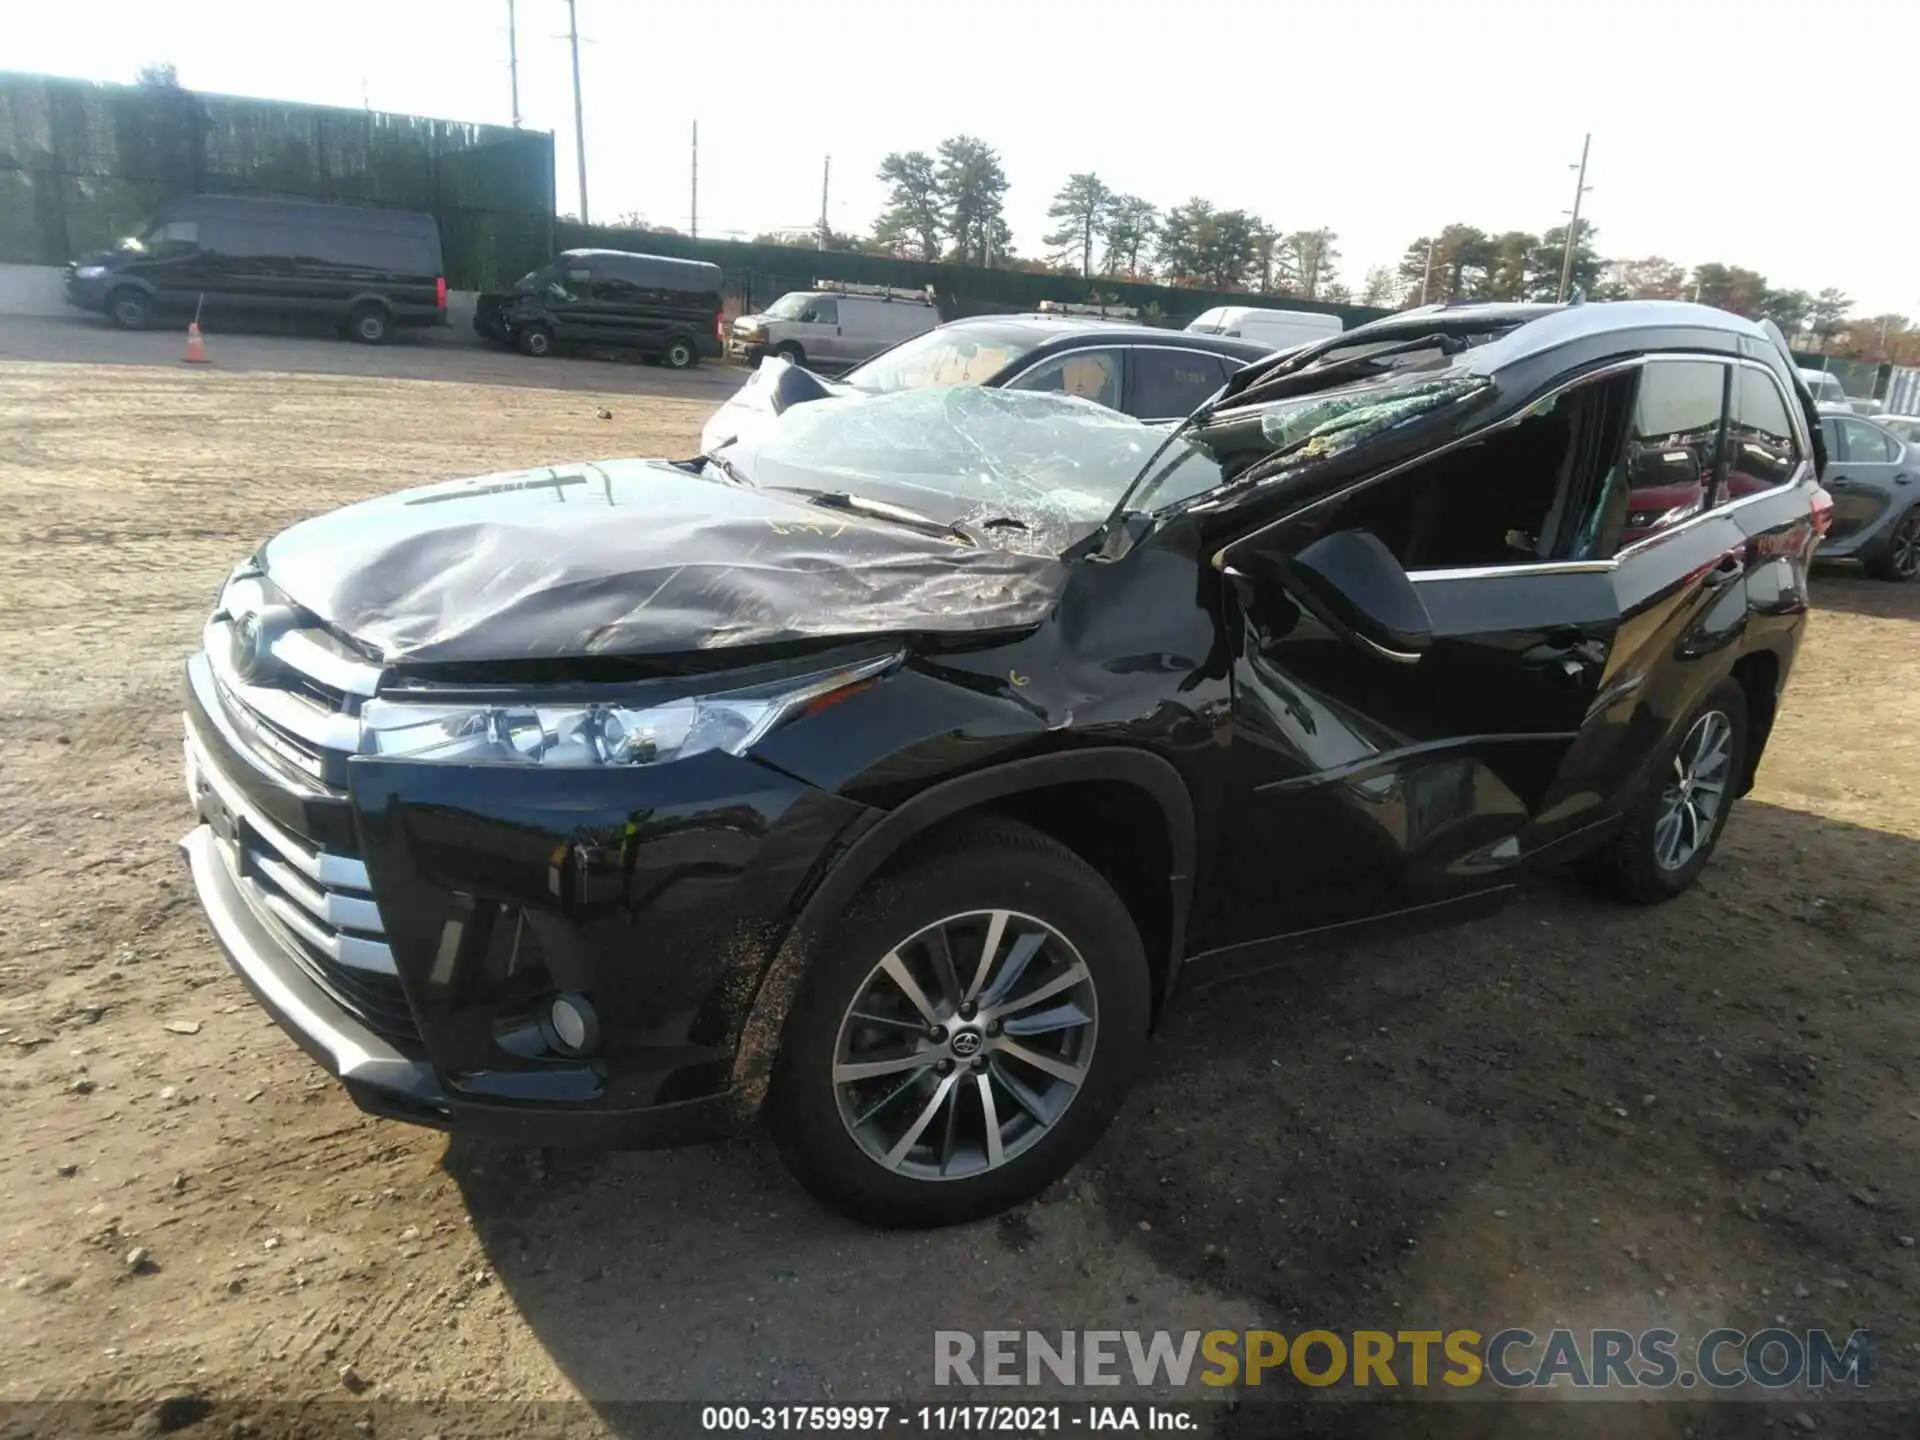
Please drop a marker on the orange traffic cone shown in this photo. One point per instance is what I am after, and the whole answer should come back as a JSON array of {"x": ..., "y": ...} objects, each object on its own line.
[{"x": 196, "y": 348}]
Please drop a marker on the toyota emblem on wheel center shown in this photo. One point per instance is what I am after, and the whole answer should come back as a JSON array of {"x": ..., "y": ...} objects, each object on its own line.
[{"x": 966, "y": 1042}]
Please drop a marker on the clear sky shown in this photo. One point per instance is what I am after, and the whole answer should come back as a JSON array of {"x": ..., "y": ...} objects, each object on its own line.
[{"x": 1749, "y": 132}]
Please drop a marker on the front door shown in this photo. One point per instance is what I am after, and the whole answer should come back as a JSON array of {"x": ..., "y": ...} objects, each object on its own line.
[
  {"x": 569, "y": 297},
  {"x": 184, "y": 272},
  {"x": 1365, "y": 785}
]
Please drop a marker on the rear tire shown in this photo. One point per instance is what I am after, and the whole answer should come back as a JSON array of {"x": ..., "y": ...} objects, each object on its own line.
[
  {"x": 130, "y": 309},
  {"x": 1898, "y": 558},
  {"x": 956, "y": 1120},
  {"x": 1671, "y": 832},
  {"x": 536, "y": 340},
  {"x": 369, "y": 324},
  {"x": 680, "y": 354}
]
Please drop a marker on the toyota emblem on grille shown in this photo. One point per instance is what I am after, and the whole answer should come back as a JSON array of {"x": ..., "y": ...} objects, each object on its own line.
[{"x": 252, "y": 641}]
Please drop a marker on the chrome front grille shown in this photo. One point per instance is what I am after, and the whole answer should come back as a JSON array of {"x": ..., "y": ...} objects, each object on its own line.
[
  {"x": 301, "y": 719},
  {"x": 319, "y": 902}
]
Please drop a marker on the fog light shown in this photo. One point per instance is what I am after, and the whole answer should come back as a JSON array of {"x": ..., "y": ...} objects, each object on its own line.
[{"x": 570, "y": 1026}]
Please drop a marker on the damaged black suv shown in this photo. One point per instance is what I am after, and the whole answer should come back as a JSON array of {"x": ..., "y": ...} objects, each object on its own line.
[{"x": 887, "y": 772}]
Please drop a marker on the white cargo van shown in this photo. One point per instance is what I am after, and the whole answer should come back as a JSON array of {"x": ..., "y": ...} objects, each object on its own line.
[
  {"x": 1282, "y": 329},
  {"x": 832, "y": 326}
]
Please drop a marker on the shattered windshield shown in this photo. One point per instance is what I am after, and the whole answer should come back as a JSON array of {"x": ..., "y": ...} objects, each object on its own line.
[
  {"x": 940, "y": 357},
  {"x": 1039, "y": 459}
]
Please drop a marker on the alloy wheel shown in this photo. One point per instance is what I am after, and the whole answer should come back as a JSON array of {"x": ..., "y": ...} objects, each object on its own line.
[
  {"x": 965, "y": 1045},
  {"x": 1696, "y": 791},
  {"x": 1904, "y": 553}
]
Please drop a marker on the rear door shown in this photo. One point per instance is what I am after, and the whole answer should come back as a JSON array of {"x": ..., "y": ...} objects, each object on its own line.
[
  {"x": 1364, "y": 785},
  {"x": 1868, "y": 474},
  {"x": 1167, "y": 382},
  {"x": 1092, "y": 372}
]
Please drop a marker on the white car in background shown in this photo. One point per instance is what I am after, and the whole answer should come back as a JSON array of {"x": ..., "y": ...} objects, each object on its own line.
[{"x": 1277, "y": 329}]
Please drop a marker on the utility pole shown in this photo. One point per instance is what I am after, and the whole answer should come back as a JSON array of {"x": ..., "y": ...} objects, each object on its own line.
[
  {"x": 693, "y": 224},
  {"x": 579, "y": 123},
  {"x": 1426, "y": 275},
  {"x": 513, "y": 62},
  {"x": 826, "y": 172},
  {"x": 1573, "y": 225}
]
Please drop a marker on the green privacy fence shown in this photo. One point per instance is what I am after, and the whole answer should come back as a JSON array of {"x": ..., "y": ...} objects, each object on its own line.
[
  {"x": 756, "y": 275},
  {"x": 81, "y": 164}
]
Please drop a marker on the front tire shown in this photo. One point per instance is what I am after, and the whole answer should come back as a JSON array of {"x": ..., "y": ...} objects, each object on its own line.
[
  {"x": 1671, "y": 832},
  {"x": 536, "y": 340},
  {"x": 130, "y": 309},
  {"x": 965, "y": 1035},
  {"x": 791, "y": 353},
  {"x": 1899, "y": 558}
]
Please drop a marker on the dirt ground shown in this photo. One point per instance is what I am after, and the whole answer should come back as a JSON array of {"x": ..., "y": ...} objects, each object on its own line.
[{"x": 1570, "y": 1114}]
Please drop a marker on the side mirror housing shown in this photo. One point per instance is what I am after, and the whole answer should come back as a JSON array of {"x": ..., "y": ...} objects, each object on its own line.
[{"x": 1354, "y": 586}]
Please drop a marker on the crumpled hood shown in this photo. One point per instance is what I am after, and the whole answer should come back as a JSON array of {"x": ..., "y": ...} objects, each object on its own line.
[
  {"x": 749, "y": 410},
  {"x": 633, "y": 557}
]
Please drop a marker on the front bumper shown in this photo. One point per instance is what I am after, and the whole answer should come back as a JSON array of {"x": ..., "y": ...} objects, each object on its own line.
[
  {"x": 87, "y": 294},
  {"x": 401, "y": 929},
  {"x": 378, "y": 1077}
]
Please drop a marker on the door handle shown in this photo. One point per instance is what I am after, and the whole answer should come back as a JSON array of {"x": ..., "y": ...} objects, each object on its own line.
[
  {"x": 1903, "y": 479},
  {"x": 1732, "y": 566}
]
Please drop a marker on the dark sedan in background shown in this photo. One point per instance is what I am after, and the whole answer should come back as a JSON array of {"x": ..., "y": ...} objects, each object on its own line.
[{"x": 1150, "y": 374}]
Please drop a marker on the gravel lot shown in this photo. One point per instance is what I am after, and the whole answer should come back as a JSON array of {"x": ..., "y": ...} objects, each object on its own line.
[{"x": 1570, "y": 1114}]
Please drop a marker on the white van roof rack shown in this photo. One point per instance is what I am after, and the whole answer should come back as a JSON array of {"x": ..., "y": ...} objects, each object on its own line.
[
  {"x": 1105, "y": 312},
  {"x": 878, "y": 292}
]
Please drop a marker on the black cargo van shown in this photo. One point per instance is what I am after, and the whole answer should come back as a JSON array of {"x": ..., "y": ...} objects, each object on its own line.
[
  {"x": 365, "y": 270},
  {"x": 667, "y": 309}
]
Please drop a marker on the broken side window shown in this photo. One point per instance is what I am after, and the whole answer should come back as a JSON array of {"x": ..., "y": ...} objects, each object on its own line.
[{"x": 1534, "y": 491}]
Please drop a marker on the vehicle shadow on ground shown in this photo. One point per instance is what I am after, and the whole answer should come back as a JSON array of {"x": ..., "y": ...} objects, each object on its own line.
[{"x": 1572, "y": 1113}]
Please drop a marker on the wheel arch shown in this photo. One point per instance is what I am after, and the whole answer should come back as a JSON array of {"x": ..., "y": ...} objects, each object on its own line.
[{"x": 1021, "y": 789}]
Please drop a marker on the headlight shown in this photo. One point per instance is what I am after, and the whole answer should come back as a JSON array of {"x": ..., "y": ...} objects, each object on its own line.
[
  {"x": 89, "y": 272},
  {"x": 529, "y": 733}
]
